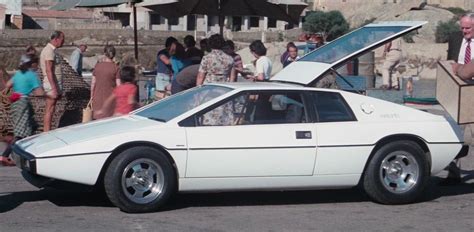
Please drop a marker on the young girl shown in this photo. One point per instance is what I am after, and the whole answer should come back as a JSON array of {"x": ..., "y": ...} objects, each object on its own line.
[
  {"x": 124, "y": 94},
  {"x": 24, "y": 82}
]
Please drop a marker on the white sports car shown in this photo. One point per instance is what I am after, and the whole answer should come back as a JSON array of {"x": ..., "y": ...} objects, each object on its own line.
[{"x": 283, "y": 135}]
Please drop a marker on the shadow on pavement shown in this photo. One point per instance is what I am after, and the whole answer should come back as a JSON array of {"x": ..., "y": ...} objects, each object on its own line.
[
  {"x": 265, "y": 198},
  {"x": 435, "y": 191},
  {"x": 62, "y": 198},
  {"x": 9, "y": 201}
]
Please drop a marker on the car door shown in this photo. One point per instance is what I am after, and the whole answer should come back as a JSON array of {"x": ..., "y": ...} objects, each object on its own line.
[
  {"x": 342, "y": 147},
  {"x": 254, "y": 134}
]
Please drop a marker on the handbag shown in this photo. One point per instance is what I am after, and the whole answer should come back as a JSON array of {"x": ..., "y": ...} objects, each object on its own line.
[
  {"x": 14, "y": 97},
  {"x": 87, "y": 112}
]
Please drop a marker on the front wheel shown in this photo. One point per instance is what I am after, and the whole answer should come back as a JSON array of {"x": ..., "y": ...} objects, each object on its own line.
[
  {"x": 397, "y": 174},
  {"x": 140, "y": 179}
]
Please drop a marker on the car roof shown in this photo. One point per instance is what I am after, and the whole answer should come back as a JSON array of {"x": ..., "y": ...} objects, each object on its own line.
[
  {"x": 267, "y": 86},
  {"x": 312, "y": 67}
]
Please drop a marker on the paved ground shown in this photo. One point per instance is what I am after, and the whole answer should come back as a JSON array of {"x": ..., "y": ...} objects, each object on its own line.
[{"x": 25, "y": 208}]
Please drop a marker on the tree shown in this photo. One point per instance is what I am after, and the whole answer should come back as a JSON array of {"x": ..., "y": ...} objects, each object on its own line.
[
  {"x": 331, "y": 24},
  {"x": 444, "y": 29}
]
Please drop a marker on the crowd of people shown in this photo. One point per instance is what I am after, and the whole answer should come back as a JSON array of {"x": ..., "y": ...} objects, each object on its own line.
[
  {"x": 111, "y": 88},
  {"x": 180, "y": 67}
]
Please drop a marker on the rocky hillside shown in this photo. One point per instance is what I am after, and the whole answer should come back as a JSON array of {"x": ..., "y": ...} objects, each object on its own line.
[{"x": 401, "y": 12}]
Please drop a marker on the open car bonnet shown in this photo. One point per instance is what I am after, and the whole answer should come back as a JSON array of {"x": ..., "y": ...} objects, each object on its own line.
[{"x": 314, "y": 65}]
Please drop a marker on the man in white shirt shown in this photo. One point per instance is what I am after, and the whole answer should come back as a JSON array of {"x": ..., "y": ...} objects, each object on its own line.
[
  {"x": 465, "y": 53},
  {"x": 52, "y": 81},
  {"x": 263, "y": 64},
  {"x": 76, "y": 58},
  {"x": 464, "y": 63}
]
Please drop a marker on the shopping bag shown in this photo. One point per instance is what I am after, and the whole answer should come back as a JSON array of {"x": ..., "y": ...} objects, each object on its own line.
[{"x": 87, "y": 112}]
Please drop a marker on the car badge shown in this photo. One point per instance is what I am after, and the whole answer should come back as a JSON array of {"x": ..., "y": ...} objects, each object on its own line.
[{"x": 367, "y": 108}]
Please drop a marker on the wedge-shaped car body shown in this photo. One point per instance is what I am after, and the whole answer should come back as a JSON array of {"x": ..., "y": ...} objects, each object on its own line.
[{"x": 280, "y": 135}]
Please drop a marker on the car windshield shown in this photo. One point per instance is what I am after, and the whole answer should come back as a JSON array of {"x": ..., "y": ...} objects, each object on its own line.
[
  {"x": 351, "y": 43},
  {"x": 178, "y": 104}
]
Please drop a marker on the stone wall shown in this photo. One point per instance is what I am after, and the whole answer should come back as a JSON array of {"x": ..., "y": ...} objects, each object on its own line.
[
  {"x": 268, "y": 36},
  {"x": 13, "y": 42},
  {"x": 64, "y": 24}
]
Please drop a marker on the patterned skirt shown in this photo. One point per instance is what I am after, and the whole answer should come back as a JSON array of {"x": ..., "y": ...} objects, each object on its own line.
[{"x": 22, "y": 118}]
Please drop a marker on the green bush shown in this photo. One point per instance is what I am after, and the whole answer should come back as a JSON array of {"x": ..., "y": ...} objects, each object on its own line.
[
  {"x": 444, "y": 29},
  {"x": 408, "y": 38},
  {"x": 332, "y": 24}
]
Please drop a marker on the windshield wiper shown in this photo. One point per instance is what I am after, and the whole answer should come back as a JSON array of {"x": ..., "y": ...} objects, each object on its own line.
[{"x": 157, "y": 119}]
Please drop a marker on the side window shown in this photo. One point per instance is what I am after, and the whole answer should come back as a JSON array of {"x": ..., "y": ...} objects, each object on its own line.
[
  {"x": 224, "y": 114},
  {"x": 254, "y": 108},
  {"x": 331, "y": 107}
]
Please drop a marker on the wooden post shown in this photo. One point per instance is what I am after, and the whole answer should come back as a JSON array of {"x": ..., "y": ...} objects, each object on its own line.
[{"x": 135, "y": 30}]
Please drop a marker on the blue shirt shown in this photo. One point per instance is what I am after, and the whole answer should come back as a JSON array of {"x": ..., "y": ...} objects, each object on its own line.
[
  {"x": 76, "y": 61},
  {"x": 25, "y": 83},
  {"x": 178, "y": 64}
]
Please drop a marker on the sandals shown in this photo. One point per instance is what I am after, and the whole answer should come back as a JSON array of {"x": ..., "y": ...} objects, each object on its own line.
[{"x": 6, "y": 161}]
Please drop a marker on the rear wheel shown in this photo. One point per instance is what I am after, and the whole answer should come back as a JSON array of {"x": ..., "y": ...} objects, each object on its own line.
[
  {"x": 140, "y": 179},
  {"x": 397, "y": 174}
]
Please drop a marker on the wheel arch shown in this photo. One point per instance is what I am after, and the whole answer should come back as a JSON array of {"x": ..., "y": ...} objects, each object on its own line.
[
  {"x": 129, "y": 145},
  {"x": 397, "y": 137}
]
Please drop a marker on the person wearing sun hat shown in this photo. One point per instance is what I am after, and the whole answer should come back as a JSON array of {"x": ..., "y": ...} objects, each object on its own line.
[{"x": 24, "y": 83}]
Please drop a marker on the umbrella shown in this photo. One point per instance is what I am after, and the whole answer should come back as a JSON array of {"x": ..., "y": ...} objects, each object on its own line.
[
  {"x": 286, "y": 10},
  {"x": 68, "y": 4}
]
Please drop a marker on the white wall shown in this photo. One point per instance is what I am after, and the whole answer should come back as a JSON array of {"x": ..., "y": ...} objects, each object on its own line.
[
  {"x": 13, "y": 6},
  {"x": 2, "y": 16}
]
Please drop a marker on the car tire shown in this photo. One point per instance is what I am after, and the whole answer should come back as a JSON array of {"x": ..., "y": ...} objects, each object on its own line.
[
  {"x": 397, "y": 173},
  {"x": 140, "y": 179}
]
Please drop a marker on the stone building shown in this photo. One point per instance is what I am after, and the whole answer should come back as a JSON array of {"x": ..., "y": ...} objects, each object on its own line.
[
  {"x": 10, "y": 14},
  {"x": 58, "y": 20},
  {"x": 148, "y": 20}
]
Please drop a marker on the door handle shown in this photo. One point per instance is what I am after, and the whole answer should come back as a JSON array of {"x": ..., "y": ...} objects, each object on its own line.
[{"x": 303, "y": 135}]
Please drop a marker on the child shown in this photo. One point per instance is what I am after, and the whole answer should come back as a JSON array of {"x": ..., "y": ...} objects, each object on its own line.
[
  {"x": 24, "y": 82},
  {"x": 124, "y": 94}
]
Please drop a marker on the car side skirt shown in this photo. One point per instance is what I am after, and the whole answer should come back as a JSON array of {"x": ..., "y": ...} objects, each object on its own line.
[{"x": 267, "y": 183}]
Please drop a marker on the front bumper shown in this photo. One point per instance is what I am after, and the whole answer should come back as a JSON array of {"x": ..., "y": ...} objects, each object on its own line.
[
  {"x": 27, "y": 163},
  {"x": 24, "y": 160}
]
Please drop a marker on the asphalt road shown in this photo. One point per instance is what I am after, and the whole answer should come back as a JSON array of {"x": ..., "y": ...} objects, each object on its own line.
[{"x": 26, "y": 208}]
